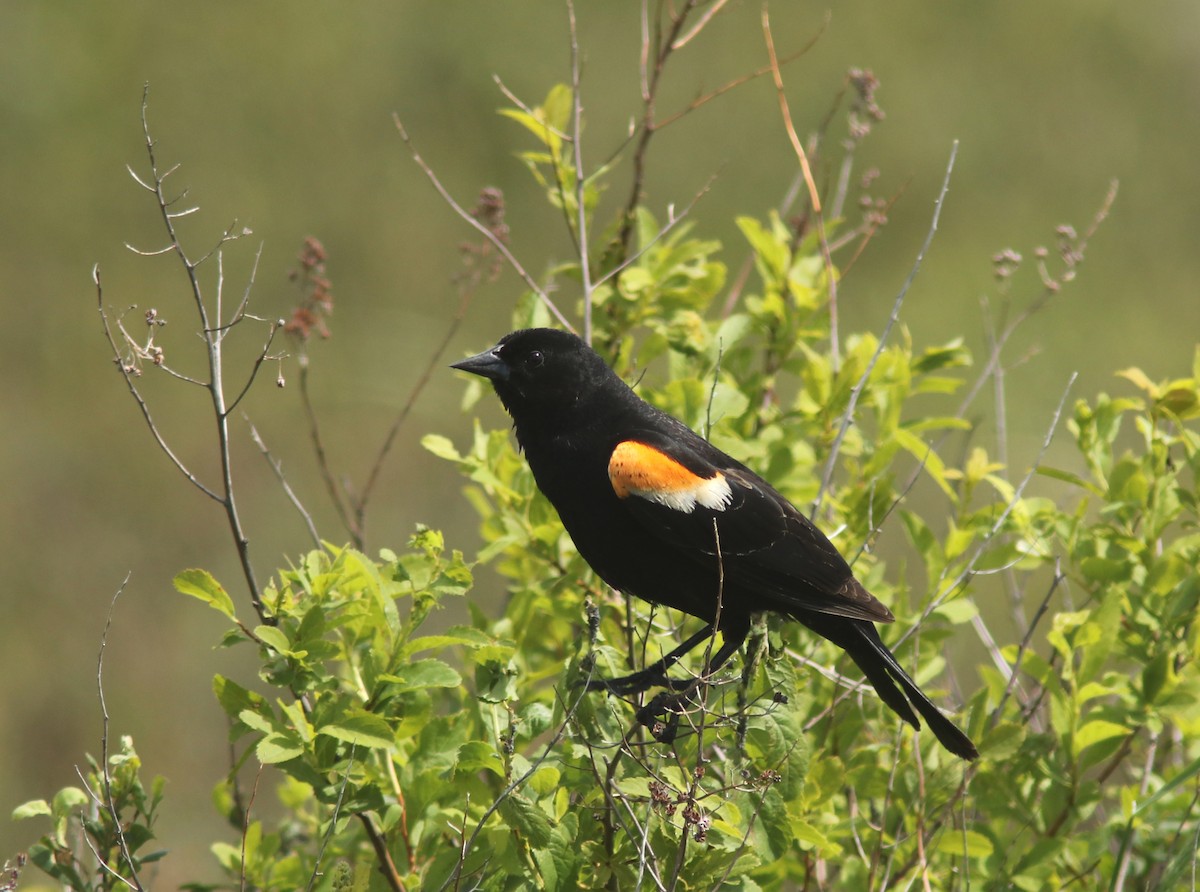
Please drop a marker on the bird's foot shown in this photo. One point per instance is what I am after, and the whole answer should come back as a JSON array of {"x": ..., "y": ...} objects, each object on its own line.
[
  {"x": 661, "y": 715},
  {"x": 638, "y": 682}
]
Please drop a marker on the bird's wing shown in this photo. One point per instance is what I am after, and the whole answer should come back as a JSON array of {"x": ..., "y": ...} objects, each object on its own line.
[{"x": 691, "y": 497}]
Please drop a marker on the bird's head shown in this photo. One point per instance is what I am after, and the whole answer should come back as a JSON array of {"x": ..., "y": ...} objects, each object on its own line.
[{"x": 541, "y": 373}]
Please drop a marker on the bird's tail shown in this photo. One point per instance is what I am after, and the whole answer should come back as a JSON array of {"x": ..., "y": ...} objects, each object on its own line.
[{"x": 895, "y": 687}]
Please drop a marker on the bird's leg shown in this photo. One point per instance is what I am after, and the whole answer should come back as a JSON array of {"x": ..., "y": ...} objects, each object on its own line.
[
  {"x": 661, "y": 714},
  {"x": 655, "y": 675}
]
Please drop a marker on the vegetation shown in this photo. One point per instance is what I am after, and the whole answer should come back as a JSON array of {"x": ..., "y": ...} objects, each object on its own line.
[{"x": 405, "y": 758}]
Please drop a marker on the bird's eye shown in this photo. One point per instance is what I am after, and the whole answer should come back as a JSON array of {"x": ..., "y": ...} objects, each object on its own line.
[{"x": 534, "y": 359}]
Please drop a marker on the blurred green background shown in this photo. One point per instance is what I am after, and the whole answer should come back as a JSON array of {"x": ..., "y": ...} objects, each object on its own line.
[{"x": 281, "y": 117}]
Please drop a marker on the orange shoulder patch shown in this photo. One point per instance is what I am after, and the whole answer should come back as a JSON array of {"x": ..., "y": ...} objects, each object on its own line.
[{"x": 636, "y": 469}]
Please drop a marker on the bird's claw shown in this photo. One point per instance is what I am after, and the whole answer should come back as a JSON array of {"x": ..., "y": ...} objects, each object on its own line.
[{"x": 637, "y": 683}]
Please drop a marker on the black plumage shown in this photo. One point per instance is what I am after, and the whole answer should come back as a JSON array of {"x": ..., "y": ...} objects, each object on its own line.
[{"x": 660, "y": 513}]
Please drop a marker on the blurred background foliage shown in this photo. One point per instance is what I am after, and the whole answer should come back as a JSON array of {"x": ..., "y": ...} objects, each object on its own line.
[{"x": 281, "y": 117}]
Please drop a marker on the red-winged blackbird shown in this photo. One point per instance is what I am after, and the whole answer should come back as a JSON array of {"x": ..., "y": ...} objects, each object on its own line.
[{"x": 660, "y": 513}]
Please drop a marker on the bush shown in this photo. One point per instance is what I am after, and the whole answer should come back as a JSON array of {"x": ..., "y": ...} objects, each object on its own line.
[{"x": 473, "y": 758}]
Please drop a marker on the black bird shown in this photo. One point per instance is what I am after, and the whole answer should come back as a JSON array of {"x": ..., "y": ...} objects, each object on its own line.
[{"x": 660, "y": 513}]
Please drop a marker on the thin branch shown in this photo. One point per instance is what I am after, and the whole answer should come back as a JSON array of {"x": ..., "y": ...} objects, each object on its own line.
[
  {"x": 1015, "y": 672},
  {"x": 705, "y": 18},
  {"x": 360, "y": 505},
  {"x": 333, "y": 818},
  {"x": 227, "y": 236},
  {"x": 706, "y": 98},
  {"x": 262, "y": 357},
  {"x": 277, "y": 468},
  {"x": 856, "y": 392},
  {"x": 111, "y": 805},
  {"x": 387, "y": 867},
  {"x": 1001, "y": 340},
  {"x": 100, "y": 858},
  {"x": 585, "y": 270},
  {"x": 969, "y": 569},
  {"x": 167, "y": 250},
  {"x": 650, "y": 77},
  {"x": 537, "y": 763},
  {"x": 246, "y": 828},
  {"x": 673, "y": 220},
  {"x": 241, "y": 313},
  {"x": 127, "y": 373},
  {"x": 813, "y": 193},
  {"x": 323, "y": 466},
  {"x": 497, "y": 243},
  {"x": 214, "y": 354},
  {"x": 524, "y": 106}
]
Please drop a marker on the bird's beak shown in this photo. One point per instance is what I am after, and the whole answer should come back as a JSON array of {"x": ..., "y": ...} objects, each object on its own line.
[{"x": 487, "y": 364}]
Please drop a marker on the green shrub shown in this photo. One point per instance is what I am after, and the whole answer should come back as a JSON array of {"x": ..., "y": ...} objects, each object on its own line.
[{"x": 471, "y": 758}]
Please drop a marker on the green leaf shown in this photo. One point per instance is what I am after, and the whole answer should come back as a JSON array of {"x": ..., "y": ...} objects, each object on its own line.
[
  {"x": 201, "y": 584},
  {"x": 1140, "y": 380},
  {"x": 456, "y": 635},
  {"x": 1174, "y": 783},
  {"x": 526, "y": 819},
  {"x": 279, "y": 747},
  {"x": 441, "y": 446},
  {"x": 274, "y": 638},
  {"x": 477, "y": 755},
  {"x": 535, "y": 125},
  {"x": 259, "y": 722},
  {"x": 1068, "y": 477},
  {"x": 958, "y": 611},
  {"x": 234, "y": 698},
  {"x": 360, "y": 728},
  {"x": 31, "y": 809},
  {"x": 810, "y": 837},
  {"x": 930, "y": 460},
  {"x": 969, "y": 842},
  {"x": 67, "y": 800},
  {"x": 771, "y": 252},
  {"x": 1002, "y": 742},
  {"x": 424, "y": 674},
  {"x": 1096, "y": 731},
  {"x": 1154, "y": 676}
]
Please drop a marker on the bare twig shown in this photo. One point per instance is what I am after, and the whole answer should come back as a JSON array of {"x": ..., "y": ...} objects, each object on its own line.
[
  {"x": 333, "y": 819},
  {"x": 387, "y": 867},
  {"x": 1015, "y": 672},
  {"x": 262, "y": 357},
  {"x": 1000, "y": 340},
  {"x": 127, "y": 372},
  {"x": 487, "y": 233},
  {"x": 968, "y": 569},
  {"x": 360, "y": 508},
  {"x": 246, "y": 827},
  {"x": 651, "y": 74},
  {"x": 813, "y": 193},
  {"x": 856, "y": 392},
  {"x": 133, "y": 882},
  {"x": 736, "y": 82},
  {"x": 277, "y": 468},
  {"x": 100, "y": 858},
  {"x": 350, "y": 506},
  {"x": 323, "y": 465},
  {"x": 673, "y": 220},
  {"x": 705, "y": 18},
  {"x": 213, "y": 339},
  {"x": 469, "y": 842},
  {"x": 585, "y": 266}
]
